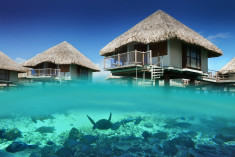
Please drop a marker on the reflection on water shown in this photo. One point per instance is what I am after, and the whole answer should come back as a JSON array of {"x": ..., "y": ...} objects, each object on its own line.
[{"x": 145, "y": 122}]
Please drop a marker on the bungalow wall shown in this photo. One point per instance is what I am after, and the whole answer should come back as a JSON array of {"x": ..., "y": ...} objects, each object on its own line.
[
  {"x": 174, "y": 56},
  {"x": 175, "y": 52},
  {"x": 6, "y": 75},
  {"x": 73, "y": 72},
  {"x": 13, "y": 76},
  {"x": 204, "y": 60}
]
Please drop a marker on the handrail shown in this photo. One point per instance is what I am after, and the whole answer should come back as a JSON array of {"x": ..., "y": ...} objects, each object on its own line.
[
  {"x": 126, "y": 53},
  {"x": 43, "y": 72}
]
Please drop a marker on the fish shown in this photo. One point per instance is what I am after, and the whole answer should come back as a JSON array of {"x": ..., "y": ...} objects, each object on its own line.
[{"x": 19, "y": 146}]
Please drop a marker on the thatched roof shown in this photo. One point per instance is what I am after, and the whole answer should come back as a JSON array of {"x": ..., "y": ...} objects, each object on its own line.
[
  {"x": 160, "y": 27},
  {"x": 7, "y": 63},
  {"x": 63, "y": 53},
  {"x": 228, "y": 68}
]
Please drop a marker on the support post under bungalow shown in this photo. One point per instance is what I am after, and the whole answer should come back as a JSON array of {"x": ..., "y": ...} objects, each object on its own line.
[
  {"x": 166, "y": 80},
  {"x": 192, "y": 82}
]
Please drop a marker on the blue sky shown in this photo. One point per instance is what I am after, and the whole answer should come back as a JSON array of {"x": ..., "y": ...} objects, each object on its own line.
[{"x": 28, "y": 27}]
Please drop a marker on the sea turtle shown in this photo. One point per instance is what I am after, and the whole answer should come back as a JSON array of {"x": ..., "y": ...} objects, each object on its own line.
[{"x": 102, "y": 124}]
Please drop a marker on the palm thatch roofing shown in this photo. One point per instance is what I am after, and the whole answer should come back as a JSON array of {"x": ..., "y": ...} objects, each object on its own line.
[
  {"x": 228, "y": 68},
  {"x": 160, "y": 27},
  {"x": 63, "y": 53},
  {"x": 7, "y": 63}
]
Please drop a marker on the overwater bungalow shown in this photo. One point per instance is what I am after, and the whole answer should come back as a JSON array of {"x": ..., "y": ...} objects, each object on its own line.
[
  {"x": 159, "y": 48},
  {"x": 228, "y": 71},
  {"x": 9, "y": 70},
  {"x": 62, "y": 62}
]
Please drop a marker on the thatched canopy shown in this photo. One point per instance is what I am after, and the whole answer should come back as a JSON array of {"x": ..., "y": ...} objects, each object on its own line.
[
  {"x": 160, "y": 27},
  {"x": 228, "y": 68},
  {"x": 7, "y": 63},
  {"x": 63, "y": 53}
]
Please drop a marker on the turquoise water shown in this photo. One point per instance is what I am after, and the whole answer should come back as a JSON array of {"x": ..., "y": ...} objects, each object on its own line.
[{"x": 157, "y": 121}]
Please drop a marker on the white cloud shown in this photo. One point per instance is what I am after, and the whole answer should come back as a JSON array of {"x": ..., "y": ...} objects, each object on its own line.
[
  {"x": 20, "y": 60},
  {"x": 219, "y": 36},
  {"x": 102, "y": 75}
]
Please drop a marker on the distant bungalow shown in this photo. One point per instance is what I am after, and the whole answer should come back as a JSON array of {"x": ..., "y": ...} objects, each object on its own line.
[
  {"x": 9, "y": 70},
  {"x": 159, "y": 47},
  {"x": 61, "y": 62},
  {"x": 228, "y": 71}
]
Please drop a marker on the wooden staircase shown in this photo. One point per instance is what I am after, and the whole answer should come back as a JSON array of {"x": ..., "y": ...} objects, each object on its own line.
[{"x": 156, "y": 72}]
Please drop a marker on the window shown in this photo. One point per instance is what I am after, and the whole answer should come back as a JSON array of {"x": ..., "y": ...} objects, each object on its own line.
[
  {"x": 193, "y": 57},
  {"x": 158, "y": 49},
  {"x": 4, "y": 75}
]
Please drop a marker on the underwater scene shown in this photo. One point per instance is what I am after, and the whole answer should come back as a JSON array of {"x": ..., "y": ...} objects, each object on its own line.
[{"x": 101, "y": 120}]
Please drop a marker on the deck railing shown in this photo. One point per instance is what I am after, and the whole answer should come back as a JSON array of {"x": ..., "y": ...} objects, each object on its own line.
[
  {"x": 128, "y": 59},
  {"x": 216, "y": 75},
  {"x": 47, "y": 72}
]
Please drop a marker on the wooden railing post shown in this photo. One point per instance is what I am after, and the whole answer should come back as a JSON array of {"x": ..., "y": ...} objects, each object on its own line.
[
  {"x": 150, "y": 57},
  {"x": 135, "y": 57}
]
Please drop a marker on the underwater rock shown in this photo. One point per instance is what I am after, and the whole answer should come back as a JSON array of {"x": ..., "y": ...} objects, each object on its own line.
[
  {"x": 64, "y": 152},
  {"x": 161, "y": 135},
  {"x": 124, "y": 146},
  {"x": 153, "y": 140},
  {"x": 182, "y": 118},
  {"x": 75, "y": 134},
  {"x": 12, "y": 134},
  {"x": 88, "y": 139},
  {"x": 116, "y": 125},
  {"x": 182, "y": 125},
  {"x": 191, "y": 134},
  {"x": 48, "y": 151},
  {"x": 19, "y": 146},
  {"x": 35, "y": 154},
  {"x": 84, "y": 148},
  {"x": 227, "y": 131},
  {"x": 41, "y": 118},
  {"x": 5, "y": 154},
  {"x": 131, "y": 139},
  {"x": 207, "y": 148},
  {"x": 45, "y": 129},
  {"x": 127, "y": 155},
  {"x": 170, "y": 148},
  {"x": 184, "y": 141},
  {"x": 138, "y": 120},
  {"x": 113, "y": 139},
  {"x": 146, "y": 134},
  {"x": 220, "y": 139},
  {"x": 2, "y": 133},
  {"x": 148, "y": 124},
  {"x": 102, "y": 124},
  {"x": 104, "y": 150},
  {"x": 50, "y": 143},
  {"x": 70, "y": 143}
]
